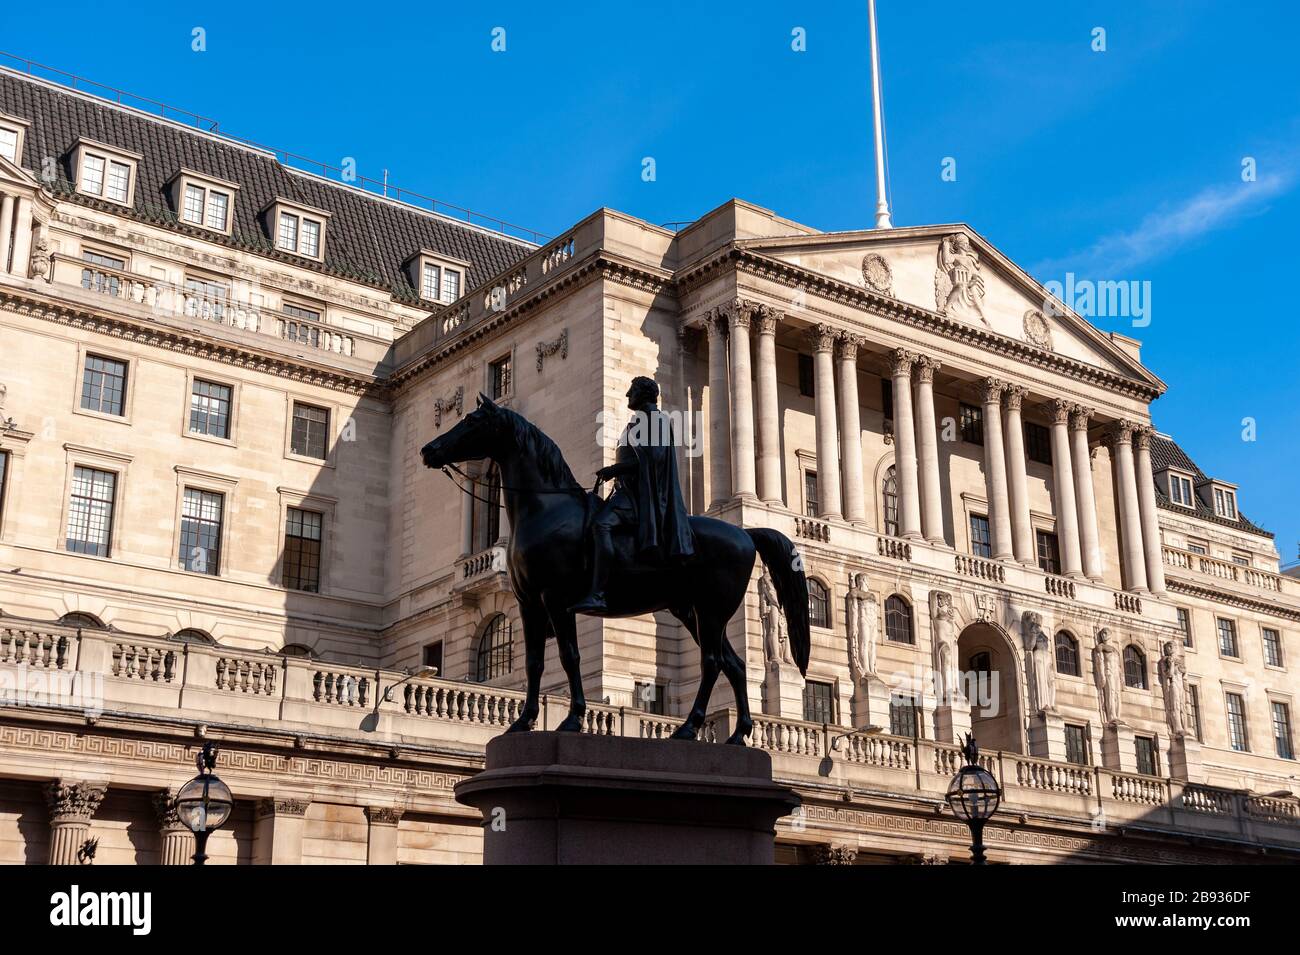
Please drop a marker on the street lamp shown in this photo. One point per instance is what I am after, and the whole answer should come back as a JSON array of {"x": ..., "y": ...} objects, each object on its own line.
[
  {"x": 974, "y": 796},
  {"x": 204, "y": 803}
]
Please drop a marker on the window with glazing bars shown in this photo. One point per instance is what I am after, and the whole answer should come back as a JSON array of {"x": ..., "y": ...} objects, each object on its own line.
[
  {"x": 818, "y": 702},
  {"x": 201, "y": 516},
  {"x": 210, "y": 409},
  {"x": 981, "y": 545},
  {"x": 972, "y": 424},
  {"x": 302, "y": 543},
  {"x": 103, "y": 385},
  {"x": 90, "y": 511},
  {"x": 1237, "y": 736},
  {"x": 310, "y": 431}
]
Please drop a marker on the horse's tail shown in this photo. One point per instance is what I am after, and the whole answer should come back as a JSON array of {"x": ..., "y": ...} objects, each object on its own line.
[{"x": 786, "y": 567}]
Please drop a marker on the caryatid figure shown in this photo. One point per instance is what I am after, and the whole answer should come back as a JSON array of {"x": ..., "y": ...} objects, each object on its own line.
[
  {"x": 776, "y": 646},
  {"x": 943, "y": 626},
  {"x": 1039, "y": 648},
  {"x": 1173, "y": 680},
  {"x": 863, "y": 615},
  {"x": 1109, "y": 675}
]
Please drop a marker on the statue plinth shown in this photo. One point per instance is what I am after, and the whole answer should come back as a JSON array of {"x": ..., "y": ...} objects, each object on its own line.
[
  {"x": 870, "y": 701},
  {"x": 783, "y": 691},
  {"x": 952, "y": 720},
  {"x": 573, "y": 798},
  {"x": 1047, "y": 735},
  {"x": 1185, "y": 759},
  {"x": 1118, "y": 751}
]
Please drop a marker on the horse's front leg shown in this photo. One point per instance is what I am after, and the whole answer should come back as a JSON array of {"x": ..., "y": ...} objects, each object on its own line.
[
  {"x": 709, "y": 635},
  {"x": 566, "y": 639},
  {"x": 536, "y": 630}
]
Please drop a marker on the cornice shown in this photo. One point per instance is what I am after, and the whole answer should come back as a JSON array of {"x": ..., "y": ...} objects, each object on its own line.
[
  {"x": 178, "y": 340},
  {"x": 746, "y": 260},
  {"x": 1230, "y": 598}
]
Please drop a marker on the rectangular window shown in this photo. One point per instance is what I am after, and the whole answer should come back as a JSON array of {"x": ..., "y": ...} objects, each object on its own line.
[
  {"x": 1194, "y": 710},
  {"x": 288, "y": 234},
  {"x": 99, "y": 281},
  {"x": 302, "y": 537},
  {"x": 1198, "y": 547},
  {"x": 218, "y": 213},
  {"x": 118, "y": 185},
  {"x": 1225, "y": 504},
  {"x": 90, "y": 511},
  {"x": 192, "y": 211},
  {"x": 1076, "y": 744},
  {"x": 1145, "y": 747},
  {"x": 210, "y": 409},
  {"x": 201, "y": 515},
  {"x": 310, "y": 245},
  {"x": 103, "y": 385},
  {"x": 650, "y": 697},
  {"x": 1282, "y": 730},
  {"x": 1185, "y": 624},
  {"x": 1272, "y": 647},
  {"x": 310, "y": 431},
  {"x": 810, "y": 504},
  {"x": 433, "y": 656},
  {"x": 450, "y": 285},
  {"x": 501, "y": 378},
  {"x": 903, "y": 715},
  {"x": 92, "y": 174},
  {"x": 9, "y": 144},
  {"x": 1049, "y": 553},
  {"x": 1228, "y": 638},
  {"x": 1241, "y": 560},
  {"x": 1237, "y": 736},
  {"x": 981, "y": 545},
  {"x": 1180, "y": 490},
  {"x": 205, "y": 299},
  {"x": 430, "y": 282},
  {"x": 806, "y": 377},
  {"x": 818, "y": 702},
  {"x": 972, "y": 424},
  {"x": 1038, "y": 443},
  {"x": 887, "y": 397},
  {"x": 297, "y": 311}
]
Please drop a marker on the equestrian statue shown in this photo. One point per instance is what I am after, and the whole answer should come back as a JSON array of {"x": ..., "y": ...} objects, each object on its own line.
[{"x": 636, "y": 552}]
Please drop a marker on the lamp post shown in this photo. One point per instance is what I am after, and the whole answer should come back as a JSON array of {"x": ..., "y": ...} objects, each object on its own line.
[
  {"x": 204, "y": 803},
  {"x": 974, "y": 796}
]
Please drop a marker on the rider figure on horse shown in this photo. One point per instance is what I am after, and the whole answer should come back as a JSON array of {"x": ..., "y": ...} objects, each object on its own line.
[{"x": 647, "y": 496}]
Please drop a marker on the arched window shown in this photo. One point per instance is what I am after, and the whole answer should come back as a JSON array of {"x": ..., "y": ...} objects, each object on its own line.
[
  {"x": 87, "y": 621},
  {"x": 297, "y": 650},
  {"x": 819, "y": 603},
  {"x": 191, "y": 635},
  {"x": 889, "y": 495},
  {"x": 1135, "y": 668},
  {"x": 981, "y": 664},
  {"x": 898, "y": 620},
  {"x": 495, "y": 650},
  {"x": 1067, "y": 654}
]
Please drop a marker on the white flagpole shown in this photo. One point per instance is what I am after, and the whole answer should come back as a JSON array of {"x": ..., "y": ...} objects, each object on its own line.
[{"x": 882, "y": 203}]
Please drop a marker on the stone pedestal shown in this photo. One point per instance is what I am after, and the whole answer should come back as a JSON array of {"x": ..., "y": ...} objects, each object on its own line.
[
  {"x": 1185, "y": 759},
  {"x": 1047, "y": 736},
  {"x": 572, "y": 798},
  {"x": 871, "y": 703},
  {"x": 951, "y": 721},
  {"x": 783, "y": 691},
  {"x": 1117, "y": 749}
]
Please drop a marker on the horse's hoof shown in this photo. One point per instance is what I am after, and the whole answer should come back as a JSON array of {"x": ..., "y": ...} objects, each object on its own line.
[
  {"x": 522, "y": 725},
  {"x": 736, "y": 739},
  {"x": 685, "y": 731},
  {"x": 570, "y": 724}
]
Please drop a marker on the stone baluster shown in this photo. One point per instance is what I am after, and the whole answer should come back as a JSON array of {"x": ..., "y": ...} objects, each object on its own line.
[
  {"x": 72, "y": 805},
  {"x": 855, "y": 500},
  {"x": 1067, "y": 516},
  {"x": 177, "y": 841},
  {"x": 1119, "y": 438},
  {"x": 1084, "y": 495},
  {"x": 909, "y": 504},
  {"x": 739, "y": 314},
  {"x": 927, "y": 443},
  {"x": 1022, "y": 530},
  {"x": 715, "y": 323},
  {"x": 822, "y": 339},
  {"x": 995, "y": 469},
  {"x": 1146, "y": 489},
  {"x": 769, "y": 416}
]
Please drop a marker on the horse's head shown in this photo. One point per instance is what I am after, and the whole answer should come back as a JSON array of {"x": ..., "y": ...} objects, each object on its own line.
[{"x": 476, "y": 437}]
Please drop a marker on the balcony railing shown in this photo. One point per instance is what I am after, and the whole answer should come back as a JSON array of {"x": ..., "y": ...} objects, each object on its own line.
[{"x": 1207, "y": 566}]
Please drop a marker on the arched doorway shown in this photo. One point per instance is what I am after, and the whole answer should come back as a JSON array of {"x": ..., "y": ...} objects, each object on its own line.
[{"x": 991, "y": 680}]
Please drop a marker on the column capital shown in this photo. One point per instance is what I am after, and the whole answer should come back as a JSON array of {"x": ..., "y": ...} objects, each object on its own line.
[
  {"x": 991, "y": 390},
  {"x": 715, "y": 322},
  {"x": 164, "y": 806},
  {"x": 901, "y": 361},
  {"x": 925, "y": 369},
  {"x": 282, "y": 806},
  {"x": 1058, "y": 409},
  {"x": 383, "y": 815},
  {"x": 687, "y": 336},
  {"x": 821, "y": 337},
  {"x": 1080, "y": 415},
  {"x": 738, "y": 312},
  {"x": 1015, "y": 396},
  {"x": 768, "y": 319},
  {"x": 1118, "y": 432},
  {"x": 1142, "y": 435},
  {"x": 72, "y": 801},
  {"x": 847, "y": 345}
]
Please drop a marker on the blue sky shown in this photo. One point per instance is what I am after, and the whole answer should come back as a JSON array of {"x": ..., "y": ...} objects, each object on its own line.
[{"x": 1122, "y": 165}]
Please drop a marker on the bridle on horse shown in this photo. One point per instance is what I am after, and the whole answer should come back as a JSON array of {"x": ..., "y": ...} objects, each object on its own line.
[{"x": 447, "y": 469}]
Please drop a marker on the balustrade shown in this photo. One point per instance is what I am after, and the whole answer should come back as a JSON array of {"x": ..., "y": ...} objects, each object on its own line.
[
  {"x": 255, "y": 677},
  {"x": 980, "y": 568},
  {"x": 147, "y": 663}
]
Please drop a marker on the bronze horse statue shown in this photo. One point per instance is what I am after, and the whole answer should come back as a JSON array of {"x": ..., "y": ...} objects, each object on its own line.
[{"x": 547, "y": 559}]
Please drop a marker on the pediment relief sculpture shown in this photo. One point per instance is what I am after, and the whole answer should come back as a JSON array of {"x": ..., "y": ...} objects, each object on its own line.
[
  {"x": 877, "y": 275},
  {"x": 958, "y": 284},
  {"x": 1037, "y": 330}
]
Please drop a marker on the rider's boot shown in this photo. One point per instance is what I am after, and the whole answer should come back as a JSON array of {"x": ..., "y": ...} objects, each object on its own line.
[{"x": 602, "y": 554}]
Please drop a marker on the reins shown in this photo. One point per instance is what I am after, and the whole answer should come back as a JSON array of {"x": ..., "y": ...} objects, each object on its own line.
[{"x": 447, "y": 469}]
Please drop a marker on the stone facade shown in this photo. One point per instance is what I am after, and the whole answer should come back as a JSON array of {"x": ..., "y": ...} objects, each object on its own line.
[{"x": 881, "y": 397}]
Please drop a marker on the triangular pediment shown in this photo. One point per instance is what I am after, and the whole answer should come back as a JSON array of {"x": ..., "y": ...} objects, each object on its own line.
[{"x": 953, "y": 271}]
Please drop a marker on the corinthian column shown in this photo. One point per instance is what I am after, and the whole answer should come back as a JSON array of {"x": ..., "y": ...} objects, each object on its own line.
[
  {"x": 995, "y": 469},
  {"x": 822, "y": 338},
  {"x": 1022, "y": 531},
  {"x": 739, "y": 313},
  {"x": 1067, "y": 517},
  {"x": 769, "y": 416},
  {"x": 719, "y": 412},
  {"x": 1119, "y": 436},
  {"x": 909, "y": 504},
  {"x": 72, "y": 806},
  {"x": 1081, "y": 458},
  {"x": 927, "y": 443},
  {"x": 177, "y": 841},
  {"x": 855, "y": 501},
  {"x": 1146, "y": 488}
]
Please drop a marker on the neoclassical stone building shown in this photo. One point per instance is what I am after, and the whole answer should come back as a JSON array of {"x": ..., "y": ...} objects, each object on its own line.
[{"x": 217, "y": 371}]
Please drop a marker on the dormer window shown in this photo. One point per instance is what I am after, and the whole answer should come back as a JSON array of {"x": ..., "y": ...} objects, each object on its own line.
[
  {"x": 105, "y": 173},
  {"x": 299, "y": 230},
  {"x": 204, "y": 202},
  {"x": 1180, "y": 490},
  {"x": 12, "y": 132},
  {"x": 435, "y": 277},
  {"x": 1225, "y": 503}
]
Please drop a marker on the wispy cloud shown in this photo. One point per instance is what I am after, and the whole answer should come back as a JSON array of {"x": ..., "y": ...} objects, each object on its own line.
[{"x": 1172, "y": 226}]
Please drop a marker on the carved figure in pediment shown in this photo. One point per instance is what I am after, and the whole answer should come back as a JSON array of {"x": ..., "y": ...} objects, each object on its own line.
[{"x": 958, "y": 284}]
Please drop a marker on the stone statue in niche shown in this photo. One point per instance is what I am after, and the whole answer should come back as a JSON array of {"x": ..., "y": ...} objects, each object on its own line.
[
  {"x": 863, "y": 616},
  {"x": 958, "y": 284},
  {"x": 1041, "y": 665},
  {"x": 776, "y": 645},
  {"x": 943, "y": 626},
  {"x": 1109, "y": 673},
  {"x": 1173, "y": 681}
]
